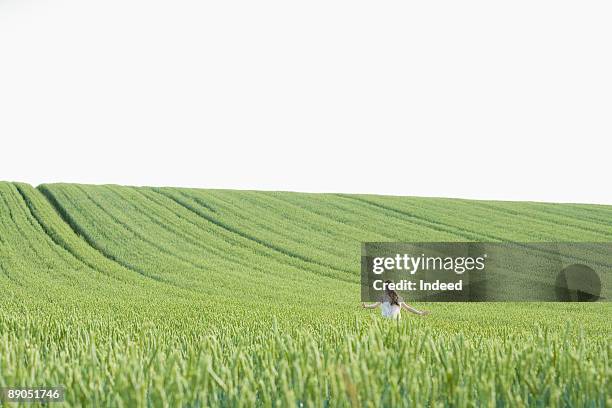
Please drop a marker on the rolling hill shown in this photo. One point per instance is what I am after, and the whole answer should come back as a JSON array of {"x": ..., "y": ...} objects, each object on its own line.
[{"x": 140, "y": 296}]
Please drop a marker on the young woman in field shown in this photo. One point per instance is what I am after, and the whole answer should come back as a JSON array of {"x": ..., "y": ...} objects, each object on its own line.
[{"x": 392, "y": 305}]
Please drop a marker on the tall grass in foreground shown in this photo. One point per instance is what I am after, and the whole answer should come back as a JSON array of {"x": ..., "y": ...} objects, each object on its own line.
[{"x": 347, "y": 360}]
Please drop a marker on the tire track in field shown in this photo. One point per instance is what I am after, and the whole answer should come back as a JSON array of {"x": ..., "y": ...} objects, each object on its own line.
[
  {"x": 169, "y": 254},
  {"x": 486, "y": 236},
  {"x": 9, "y": 278},
  {"x": 185, "y": 259},
  {"x": 529, "y": 218},
  {"x": 335, "y": 206},
  {"x": 262, "y": 242},
  {"x": 2, "y": 241},
  {"x": 256, "y": 240},
  {"x": 423, "y": 221},
  {"x": 601, "y": 212},
  {"x": 222, "y": 253},
  {"x": 76, "y": 228},
  {"x": 16, "y": 225},
  {"x": 254, "y": 219},
  {"x": 489, "y": 212},
  {"x": 249, "y": 237},
  {"x": 140, "y": 236},
  {"x": 5, "y": 226},
  {"x": 38, "y": 226},
  {"x": 345, "y": 225},
  {"x": 233, "y": 240},
  {"x": 575, "y": 218},
  {"x": 195, "y": 240},
  {"x": 359, "y": 209},
  {"x": 3, "y": 272},
  {"x": 37, "y": 223},
  {"x": 60, "y": 246}
]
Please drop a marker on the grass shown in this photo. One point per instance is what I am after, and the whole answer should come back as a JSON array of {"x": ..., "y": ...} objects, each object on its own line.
[{"x": 183, "y": 297}]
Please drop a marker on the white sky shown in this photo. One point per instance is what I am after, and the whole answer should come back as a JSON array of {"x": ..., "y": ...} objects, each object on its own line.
[{"x": 475, "y": 99}]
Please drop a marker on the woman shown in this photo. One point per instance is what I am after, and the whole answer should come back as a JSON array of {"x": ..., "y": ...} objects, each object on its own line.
[{"x": 392, "y": 305}]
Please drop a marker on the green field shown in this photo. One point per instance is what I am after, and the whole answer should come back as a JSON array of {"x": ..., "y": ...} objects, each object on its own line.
[{"x": 184, "y": 297}]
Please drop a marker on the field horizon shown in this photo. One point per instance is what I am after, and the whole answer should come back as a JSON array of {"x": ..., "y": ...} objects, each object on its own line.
[
  {"x": 339, "y": 193},
  {"x": 163, "y": 296}
]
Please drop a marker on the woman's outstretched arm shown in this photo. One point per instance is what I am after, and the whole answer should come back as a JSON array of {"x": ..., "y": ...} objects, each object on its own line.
[
  {"x": 413, "y": 310},
  {"x": 372, "y": 306}
]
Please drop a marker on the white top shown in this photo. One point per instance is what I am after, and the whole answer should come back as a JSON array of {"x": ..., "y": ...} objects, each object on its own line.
[{"x": 391, "y": 311}]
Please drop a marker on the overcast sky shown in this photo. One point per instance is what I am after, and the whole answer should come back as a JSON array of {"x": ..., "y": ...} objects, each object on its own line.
[{"x": 476, "y": 99}]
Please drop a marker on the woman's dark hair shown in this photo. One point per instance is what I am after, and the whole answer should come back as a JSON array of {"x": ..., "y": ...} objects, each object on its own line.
[{"x": 392, "y": 294}]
